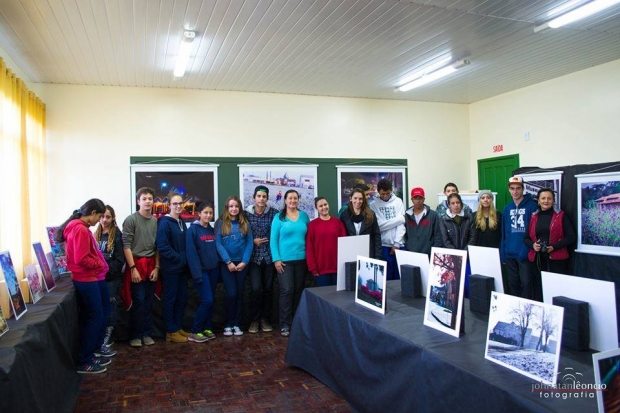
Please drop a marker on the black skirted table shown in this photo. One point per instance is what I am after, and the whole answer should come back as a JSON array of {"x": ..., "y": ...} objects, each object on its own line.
[
  {"x": 394, "y": 363},
  {"x": 37, "y": 369}
]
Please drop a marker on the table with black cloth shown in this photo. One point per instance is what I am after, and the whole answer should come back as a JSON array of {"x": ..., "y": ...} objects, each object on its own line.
[
  {"x": 394, "y": 363},
  {"x": 37, "y": 369}
]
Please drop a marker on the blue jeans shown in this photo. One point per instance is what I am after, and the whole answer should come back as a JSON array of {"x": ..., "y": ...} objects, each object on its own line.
[
  {"x": 140, "y": 311},
  {"x": 91, "y": 297},
  {"x": 114, "y": 289},
  {"x": 261, "y": 293},
  {"x": 234, "y": 284},
  {"x": 326, "y": 279},
  {"x": 203, "y": 319},
  {"x": 174, "y": 300},
  {"x": 291, "y": 286},
  {"x": 392, "y": 266}
]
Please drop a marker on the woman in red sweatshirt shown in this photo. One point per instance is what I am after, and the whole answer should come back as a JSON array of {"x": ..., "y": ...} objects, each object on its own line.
[{"x": 88, "y": 269}]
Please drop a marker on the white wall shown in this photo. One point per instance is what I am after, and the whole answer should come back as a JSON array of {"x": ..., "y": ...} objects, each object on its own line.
[
  {"x": 10, "y": 63},
  {"x": 92, "y": 132},
  {"x": 574, "y": 119}
]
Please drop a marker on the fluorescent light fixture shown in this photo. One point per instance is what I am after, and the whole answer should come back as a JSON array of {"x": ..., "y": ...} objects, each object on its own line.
[
  {"x": 184, "y": 50},
  {"x": 432, "y": 76},
  {"x": 576, "y": 14}
]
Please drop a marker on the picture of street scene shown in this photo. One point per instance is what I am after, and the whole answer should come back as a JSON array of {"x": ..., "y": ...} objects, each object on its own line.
[
  {"x": 15, "y": 294},
  {"x": 35, "y": 282},
  {"x": 194, "y": 186},
  {"x": 445, "y": 289},
  {"x": 370, "y": 284},
  {"x": 607, "y": 373},
  {"x": 280, "y": 179},
  {"x": 600, "y": 213},
  {"x": 4, "y": 327},
  {"x": 58, "y": 251},
  {"x": 50, "y": 283},
  {"x": 525, "y": 336},
  {"x": 532, "y": 183},
  {"x": 367, "y": 179}
]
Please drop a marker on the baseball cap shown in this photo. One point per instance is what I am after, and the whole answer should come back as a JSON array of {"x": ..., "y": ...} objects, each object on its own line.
[
  {"x": 516, "y": 180},
  {"x": 417, "y": 192}
]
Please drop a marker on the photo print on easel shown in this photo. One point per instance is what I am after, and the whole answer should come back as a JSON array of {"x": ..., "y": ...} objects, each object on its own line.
[
  {"x": 607, "y": 373},
  {"x": 18, "y": 304},
  {"x": 58, "y": 251},
  {"x": 370, "y": 288},
  {"x": 4, "y": 327},
  {"x": 525, "y": 336},
  {"x": 35, "y": 282},
  {"x": 444, "y": 294},
  {"x": 50, "y": 283}
]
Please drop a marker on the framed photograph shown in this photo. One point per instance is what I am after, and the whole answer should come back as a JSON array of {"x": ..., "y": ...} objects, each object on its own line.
[
  {"x": 4, "y": 326},
  {"x": 18, "y": 305},
  {"x": 58, "y": 251},
  {"x": 444, "y": 294},
  {"x": 194, "y": 182},
  {"x": 50, "y": 283},
  {"x": 525, "y": 336},
  {"x": 52, "y": 264},
  {"x": 534, "y": 182},
  {"x": 370, "y": 285},
  {"x": 607, "y": 374},
  {"x": 598, "y": 206},
  {"x": 279, "y": 179},
  {"x": 367, "y": 177},
  {"x": 35, "y": 282}
]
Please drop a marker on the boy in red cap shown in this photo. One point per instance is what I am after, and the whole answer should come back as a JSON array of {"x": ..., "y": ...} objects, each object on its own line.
[{"x": 421, "y": 224}]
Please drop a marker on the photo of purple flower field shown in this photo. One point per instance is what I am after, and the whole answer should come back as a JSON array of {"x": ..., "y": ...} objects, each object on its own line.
[{"x": 599, "y": 214}]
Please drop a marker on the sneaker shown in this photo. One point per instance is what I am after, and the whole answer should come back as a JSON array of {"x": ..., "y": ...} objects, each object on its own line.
[
  {"x": 253, "y": 327},
  {"x": 197, "y": 338},
  {"x": 285, "y": 332},
  {"x": 228, "y": 331},
  {"x": 107, "y": 339},
  {"x": 208, "y": 334},
  {"x": 148, "y": 340},
  {"x": 184, "y": 333},
  {"x": 237, "y": 331},
  {"x": 176, "y": 337},
  {"x": 136, "y": 342},
  {"x": 105, "y": 352},
  {"x": 90, "y": 369},
  {"x": 266, "y": 326},
  {"x": 101, "y": 361}
]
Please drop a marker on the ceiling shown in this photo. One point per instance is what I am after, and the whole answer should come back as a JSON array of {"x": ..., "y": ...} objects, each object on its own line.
[{"x": 312, "y": 47}]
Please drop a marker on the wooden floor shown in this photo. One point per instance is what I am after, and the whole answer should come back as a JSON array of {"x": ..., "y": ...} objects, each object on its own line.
[{"x": 228, "y": 374}]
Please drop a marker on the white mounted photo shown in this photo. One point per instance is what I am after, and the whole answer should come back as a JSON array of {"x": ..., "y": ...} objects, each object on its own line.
[
  {"x": 607, "y": 373},
  {"x": 444, "y": 294},
  {"x": 485, "y": 261},
  {"x": 370, "y": 288},
  {"x": 418, "y": 260},
  {"x": 16, "y": 298}
]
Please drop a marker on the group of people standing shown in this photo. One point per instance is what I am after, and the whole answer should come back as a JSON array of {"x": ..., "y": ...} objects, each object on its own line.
[{"x": 265, "y": 243}]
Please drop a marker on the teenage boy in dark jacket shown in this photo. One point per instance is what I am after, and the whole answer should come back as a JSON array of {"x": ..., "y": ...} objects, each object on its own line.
[{"x": 421, "y": 225}]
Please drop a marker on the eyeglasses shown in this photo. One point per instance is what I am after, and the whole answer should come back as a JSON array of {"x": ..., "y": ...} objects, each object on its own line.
[{"x": 176, "y": 203}]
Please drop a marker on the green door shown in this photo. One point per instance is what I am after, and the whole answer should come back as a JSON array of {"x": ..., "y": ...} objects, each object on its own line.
[{"x": 493, "y": 174}]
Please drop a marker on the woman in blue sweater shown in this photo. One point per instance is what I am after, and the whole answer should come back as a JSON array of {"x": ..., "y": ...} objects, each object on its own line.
[
  {"x": 288, "y": 250},
  {"x": 203, "y": 264},
  {"x": 234, "y": 241}
]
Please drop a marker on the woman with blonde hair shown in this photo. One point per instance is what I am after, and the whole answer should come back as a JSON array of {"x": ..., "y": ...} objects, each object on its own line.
[
  {"x": 234, "y": 243},
  {"x": 486, "y": 221}
]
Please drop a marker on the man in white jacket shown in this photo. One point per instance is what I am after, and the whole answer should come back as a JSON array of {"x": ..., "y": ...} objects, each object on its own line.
[{"x": 390, "y": 213}]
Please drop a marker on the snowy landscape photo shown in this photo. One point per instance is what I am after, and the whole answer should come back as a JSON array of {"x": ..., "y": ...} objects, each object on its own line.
[{"x": 525, "y": 336}]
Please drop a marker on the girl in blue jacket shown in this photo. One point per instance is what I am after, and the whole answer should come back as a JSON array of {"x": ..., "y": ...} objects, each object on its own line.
[
  {"x": 234, "y": 241},
  {"x": 203, "y": 264}
]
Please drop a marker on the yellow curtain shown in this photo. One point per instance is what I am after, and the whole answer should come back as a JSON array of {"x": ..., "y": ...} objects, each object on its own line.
[{"x": 23, "y": 164}]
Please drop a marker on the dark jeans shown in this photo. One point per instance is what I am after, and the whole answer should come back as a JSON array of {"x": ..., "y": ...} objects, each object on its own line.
[
  {"x": 261, "y": 292},
  {"x": 291, "y": 285},
  {"x": 91, "y": 296},
  {"x": 203, "y": 319},
  {"x": 141, "y": 307},
  {"x": 114, "y": 289},
  {"x": 326, "y": 279},
  {"x": 174, "y": 300},
  {"x": 542, "y": 262},
  {"x": 392, "y": 266},
  {"x": 234, "y": 284},
  {"x": 519, "y": 274}
]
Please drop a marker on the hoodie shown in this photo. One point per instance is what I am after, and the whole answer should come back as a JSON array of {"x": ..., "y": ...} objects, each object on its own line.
[
  {"x": 391, "y": 219},
  {"x": 200, "y": 249},
  {"x": 84, "y": 259},
  {"x": 171, "y": 245},
  {"x": 515, "y": 223}
]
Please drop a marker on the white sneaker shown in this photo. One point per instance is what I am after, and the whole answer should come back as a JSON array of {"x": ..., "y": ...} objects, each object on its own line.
[
  {"x": 237, "y": 331},
  {"x": 228, "y": 331}
]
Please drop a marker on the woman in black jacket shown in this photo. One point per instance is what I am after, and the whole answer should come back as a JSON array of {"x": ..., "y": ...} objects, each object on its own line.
[
  {"x": 358, "y": 219},
  {"x": 456, "y": 228}
]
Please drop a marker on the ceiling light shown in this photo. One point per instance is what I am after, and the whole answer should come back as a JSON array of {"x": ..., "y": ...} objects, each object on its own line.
[
  {"x": 576, "y": 14},
  {"x": 432, "y": 76},
  {"x": 184, "y": 50}
]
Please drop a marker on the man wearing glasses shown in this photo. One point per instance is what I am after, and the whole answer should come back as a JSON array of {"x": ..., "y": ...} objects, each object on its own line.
[{"x": 513, "y": 252}]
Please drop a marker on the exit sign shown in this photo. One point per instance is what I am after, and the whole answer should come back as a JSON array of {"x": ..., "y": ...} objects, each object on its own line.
[{"x": 498, "y": 148}]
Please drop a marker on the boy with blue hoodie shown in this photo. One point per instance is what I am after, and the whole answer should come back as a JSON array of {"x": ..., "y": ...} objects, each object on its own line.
[
  {"x": 203, "y": 264},
  {"x": 513, "y": 252}
]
